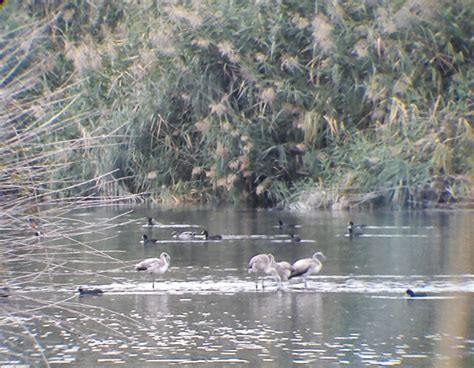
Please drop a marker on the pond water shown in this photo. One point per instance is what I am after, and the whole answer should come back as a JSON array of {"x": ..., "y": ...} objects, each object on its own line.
[{"x": 206, "y": 311}]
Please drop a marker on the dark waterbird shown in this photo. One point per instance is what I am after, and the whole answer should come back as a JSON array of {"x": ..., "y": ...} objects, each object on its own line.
[
  {"x": 282, "y": 225},
  {"x": 205, "y": 235},
  {"x": 295, "y": 238},
  {"x": 412, "y": 294},
  {"x": 146, "y": 240},
  {"x": 89, "y": 292},
  {"x": 4, "y": 292},
  {"x": 151, "y": 222},
  {"x": 354, "y": 230}
]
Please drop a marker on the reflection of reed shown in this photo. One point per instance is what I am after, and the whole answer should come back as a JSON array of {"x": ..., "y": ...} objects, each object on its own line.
[{"x": 454, "y": 317}]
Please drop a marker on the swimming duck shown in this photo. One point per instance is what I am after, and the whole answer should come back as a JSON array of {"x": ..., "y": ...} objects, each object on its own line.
[
  {"x": 295, "y": 238},
  {"x": 146, "y": 240},
  {"x": 150, "y": 222},
  {"x": 92, "y": 292},
  {"x": 412, "y": 294},
  {"x": 354, "y": 230},
  {"x": 157, "y": 266},
  {"x": 307, "y": 266},
  {"x": 185, "y": 235},
  {"x": 282, "y": 225},
  {"x": 205, "y": 235},
  {"x": 4, "y": 292}
]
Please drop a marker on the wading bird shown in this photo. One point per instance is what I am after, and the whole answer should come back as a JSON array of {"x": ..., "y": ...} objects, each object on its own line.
[
  {"x": 156, "y": 266},
  {"x": 260, "y": 264},
  {"x": 280, "y": 271},
  {"x": 307, "y": 266}
]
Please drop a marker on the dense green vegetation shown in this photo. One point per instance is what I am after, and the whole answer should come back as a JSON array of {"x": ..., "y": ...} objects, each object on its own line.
[{"x": 320, "y": 104}]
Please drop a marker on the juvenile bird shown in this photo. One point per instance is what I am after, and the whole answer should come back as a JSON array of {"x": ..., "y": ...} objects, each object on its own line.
[
  {"x": 260, "y": 264},
  {"x": 307, "y": 266},
  {"x": 156, "y": 266}
]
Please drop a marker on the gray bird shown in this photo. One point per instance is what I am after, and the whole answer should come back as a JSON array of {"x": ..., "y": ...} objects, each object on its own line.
[
  {"x": 307, "y": 266},
  {"x": 156, "y": 266}
]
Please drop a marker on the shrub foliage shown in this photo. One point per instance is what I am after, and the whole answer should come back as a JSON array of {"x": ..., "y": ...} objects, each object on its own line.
[{"x": 258, "y": 102}]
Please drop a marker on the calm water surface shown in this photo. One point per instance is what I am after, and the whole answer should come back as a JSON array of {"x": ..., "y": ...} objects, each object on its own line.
[{"x": 205, "y": 309}]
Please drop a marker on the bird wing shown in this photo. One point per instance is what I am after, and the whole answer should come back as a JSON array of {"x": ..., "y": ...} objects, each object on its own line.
[{"x": 146, "y": 264}]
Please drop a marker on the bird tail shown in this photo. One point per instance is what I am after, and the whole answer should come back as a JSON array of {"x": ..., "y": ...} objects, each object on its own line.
[
  {"x": 141, "y": 268},
  {"x": 295, "y": 274}
]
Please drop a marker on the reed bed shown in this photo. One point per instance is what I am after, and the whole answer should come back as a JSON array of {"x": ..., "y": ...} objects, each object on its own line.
[
  {"x": 40, "y": 193},
  {"x": 257, "y": 102}
]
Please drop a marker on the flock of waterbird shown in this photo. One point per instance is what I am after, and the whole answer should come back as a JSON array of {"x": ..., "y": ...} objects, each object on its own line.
[{"x": 261, "y": 264}]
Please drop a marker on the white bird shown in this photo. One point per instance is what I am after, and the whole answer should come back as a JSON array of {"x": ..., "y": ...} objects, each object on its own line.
[
  {"x": 260, "y": 264},
  {"x": 185, "y": 235},
  {"x": 157, "y": 266},
  {"x": 307, "y": 266}
]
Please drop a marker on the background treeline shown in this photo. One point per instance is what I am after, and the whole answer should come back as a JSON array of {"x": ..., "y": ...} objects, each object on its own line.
[{"x": 310, "y": 103}]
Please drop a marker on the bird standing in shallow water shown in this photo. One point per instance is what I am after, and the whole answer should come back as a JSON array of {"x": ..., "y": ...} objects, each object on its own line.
[
  {"x": 260, "y": 264},
  {"x": 280, "y": 271},
  {"x": 157, "y": 266},
  {"x": 307, "y": 266}
]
